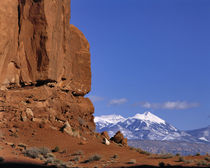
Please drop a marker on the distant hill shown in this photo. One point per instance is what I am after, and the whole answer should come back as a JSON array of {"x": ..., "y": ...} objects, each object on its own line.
[
  {"x": 202, "y": 133},
  {"x": 174, "y": 147}
]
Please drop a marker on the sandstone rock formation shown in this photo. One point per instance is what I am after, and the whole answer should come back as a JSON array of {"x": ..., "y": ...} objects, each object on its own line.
[
  {"x": 105, "y": 134},
  {"x": 119, "y": 139},
  {"x": 44, "y": 65}
]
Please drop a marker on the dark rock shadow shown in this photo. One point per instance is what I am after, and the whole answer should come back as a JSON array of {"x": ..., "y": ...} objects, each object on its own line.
[
  {"x": 29, "y": 165},
  {"x": 22, "y": 165},
  {"x": 166, "y": 166}
]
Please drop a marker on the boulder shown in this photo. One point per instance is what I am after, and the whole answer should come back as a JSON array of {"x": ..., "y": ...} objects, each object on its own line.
[
  {"x": 106, "y": 142},
  {"x": 67, "y": 128},
  {"x": 105, "y": 134},
  {"x": 125, "y": 142},
  {"x": 29, "y": 113},
  {"x": 119, "y": 139}
]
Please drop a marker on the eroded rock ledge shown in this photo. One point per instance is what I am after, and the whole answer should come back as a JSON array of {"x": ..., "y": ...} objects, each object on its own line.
[{"x": 44, "y": 64}]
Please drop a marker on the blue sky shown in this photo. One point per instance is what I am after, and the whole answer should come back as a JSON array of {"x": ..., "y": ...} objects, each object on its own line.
[{"x": 149, "y": 55}]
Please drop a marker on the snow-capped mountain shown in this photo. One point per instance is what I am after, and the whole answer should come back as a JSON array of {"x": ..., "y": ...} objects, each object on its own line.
[
  {"x": 146, "y": 126},
  {"x": 106, "y": 120},
  {"x": 202, "y": 133}
]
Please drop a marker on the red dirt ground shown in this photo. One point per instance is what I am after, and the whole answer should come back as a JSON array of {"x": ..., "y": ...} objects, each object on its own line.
[{"x": 88, "y": 144}]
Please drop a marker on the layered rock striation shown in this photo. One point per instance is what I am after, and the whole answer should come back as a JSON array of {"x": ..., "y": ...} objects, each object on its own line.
[{"x": 44, "y": 64}]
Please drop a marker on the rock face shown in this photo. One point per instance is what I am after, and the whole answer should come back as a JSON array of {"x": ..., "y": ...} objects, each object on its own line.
[
  {"x": 44, "y": 63},
  {"x": 8, "y": 41}
]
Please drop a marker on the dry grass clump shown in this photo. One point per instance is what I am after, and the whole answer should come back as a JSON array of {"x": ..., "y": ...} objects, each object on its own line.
[
  {"x": 142, "y": 151},
  {"x": 58, "y": 163},
  {"x": 132, "y": 148},
  {"x": 203, "y": 163},
  {"x": 79, "y": 152},
  {"x": 207, "y": 159},
  {"x": 56, "y": 149},
  {"x": 181, "y": 159},
  {"x": 188, "y": 161},
  {"x": 95, "y": 157},
  {"x": 35, "y": 152},
  {"x": 75, "y": 159},
  {"x": 164, "y": 156},
  {"x": 197, "y": 154},
  {"x": 46, "y": 155}
]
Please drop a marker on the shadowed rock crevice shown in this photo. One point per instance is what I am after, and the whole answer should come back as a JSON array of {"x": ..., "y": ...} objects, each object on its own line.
[
  {"x": 31, "y": 16},
  {"x": 38, "y": 19}
]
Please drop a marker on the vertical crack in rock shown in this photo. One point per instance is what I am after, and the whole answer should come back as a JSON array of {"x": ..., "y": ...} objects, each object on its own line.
[
  {"x": 19, "y": 27},
  {"x": 38, "y": 19},
  {"x": 21, "y": 4}
]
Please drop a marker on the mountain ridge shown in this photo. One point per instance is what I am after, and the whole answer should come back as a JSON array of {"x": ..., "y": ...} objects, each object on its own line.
[{"x": 146, "y": 126}]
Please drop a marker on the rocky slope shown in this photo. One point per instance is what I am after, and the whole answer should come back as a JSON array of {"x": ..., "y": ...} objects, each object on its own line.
[{"x": 44, "y": 65}]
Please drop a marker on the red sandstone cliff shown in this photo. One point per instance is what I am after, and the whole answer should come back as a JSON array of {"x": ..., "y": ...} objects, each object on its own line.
[{"x": 44, "y": 65}]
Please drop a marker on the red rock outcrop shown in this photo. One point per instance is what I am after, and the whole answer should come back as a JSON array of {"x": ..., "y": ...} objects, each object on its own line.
[
  {"x": 44, "y": 65},
  {"x": 119, "y": 139},
  {"x": 105, "y": 135}
]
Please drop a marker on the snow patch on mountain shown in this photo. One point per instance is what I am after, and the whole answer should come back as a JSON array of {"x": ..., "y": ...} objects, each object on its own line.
[
  {"x": 203, "y": 139},
  {"x": 113, "y": 119},
  {"x": 147, "y": 116},
  {"x": 106, "y": 120},
  {"x": 202, "y": 133}
]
